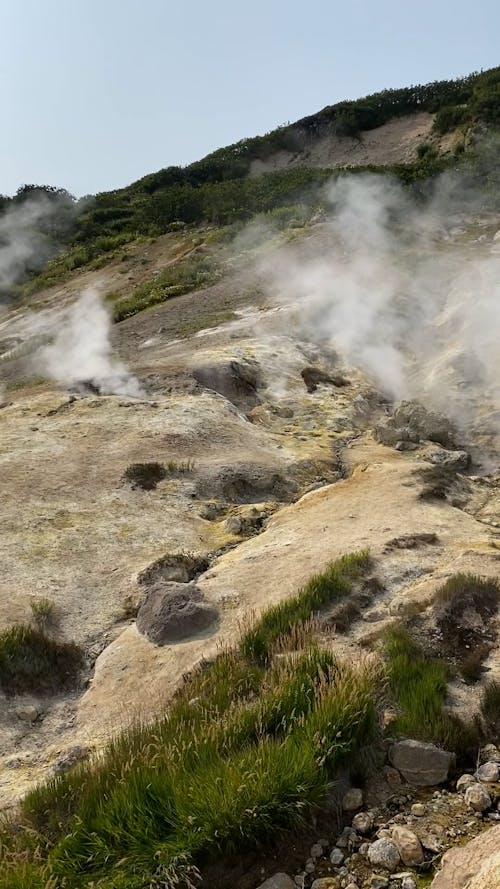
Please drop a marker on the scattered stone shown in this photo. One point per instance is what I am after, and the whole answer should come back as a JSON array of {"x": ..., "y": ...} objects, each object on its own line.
[
  {"x": 309, "y": 866},
  {"x": 408, "y": 883},
  {"x": 326, "y": 883},
  {"x": 347, "y": 839},
  {"x": 464, "y": 782},
  {"x": 418, "y": 810},
  {"x": 384, "y": 853},
  {"x": 316, "y": 850},
  {"x": 362, "y": 822},
  {"x": 477, "y": 798},
  {"x": 174, "y": 611},
  {"x": 278, "y": 881},
  {"x": 352, "y": 800},
  {"x": 336, "y": 856},
  {"x": 420, "y": 763},
  {"x": 409, "y": 846},
  {"x": 67, "y": 760},
  {"x": 378, "y": 882},
  {"x": 489, "y": 773}
]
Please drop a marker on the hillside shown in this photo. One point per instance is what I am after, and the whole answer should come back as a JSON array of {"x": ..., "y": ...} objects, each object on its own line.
[{"x": 250, "y": 438}]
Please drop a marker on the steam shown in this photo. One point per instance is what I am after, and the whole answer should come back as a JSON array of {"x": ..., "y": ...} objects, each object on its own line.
[
  {"x": 23, "y": 246},
  {"x": 399, "y": 297},
  {"x": 79, "y": 354}
]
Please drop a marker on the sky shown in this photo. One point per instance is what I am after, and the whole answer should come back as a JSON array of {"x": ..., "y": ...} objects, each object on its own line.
[{"x": 96, "y": 93}]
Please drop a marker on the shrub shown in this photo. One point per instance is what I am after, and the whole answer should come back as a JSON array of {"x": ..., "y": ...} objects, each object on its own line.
[
  {"x": 145, "y": 475},
  {"x": 31, "y": 661},
  {"x": 450, "y": 117},
  {"x": 460, "y": 593}
]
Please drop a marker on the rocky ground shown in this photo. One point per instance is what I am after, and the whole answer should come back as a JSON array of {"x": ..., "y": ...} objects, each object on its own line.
[{"x": 277, "y": 458}]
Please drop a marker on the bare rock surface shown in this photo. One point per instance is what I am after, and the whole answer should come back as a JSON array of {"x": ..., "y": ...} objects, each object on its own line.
[{"x": 467, "y": 866}]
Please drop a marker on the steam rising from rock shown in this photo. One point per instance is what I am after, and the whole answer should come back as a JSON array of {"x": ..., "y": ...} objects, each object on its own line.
[
  {"x": 80, "y": 351},
  {"x": 398, "y": 297}
]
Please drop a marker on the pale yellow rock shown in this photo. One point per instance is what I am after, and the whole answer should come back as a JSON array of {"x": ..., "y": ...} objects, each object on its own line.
[{"x": 464, "y": 867}]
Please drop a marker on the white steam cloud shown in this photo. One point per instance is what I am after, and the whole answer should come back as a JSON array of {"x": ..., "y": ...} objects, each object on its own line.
[
  {"x": 416, "y": 309},
  {"x": 79, "y": 353}
]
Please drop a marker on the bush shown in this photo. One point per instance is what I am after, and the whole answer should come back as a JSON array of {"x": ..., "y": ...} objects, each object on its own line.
[
  {"x": 490, "y": 709},
  {"x": 145, "y": 475},
  {"x": 31, "y": 661},
  {"x": 45, "y": 613},
  {"x": 450, "y": 117}
]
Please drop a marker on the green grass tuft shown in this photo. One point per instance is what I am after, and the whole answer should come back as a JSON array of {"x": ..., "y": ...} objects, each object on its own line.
[{"x": 31, "y": 661}]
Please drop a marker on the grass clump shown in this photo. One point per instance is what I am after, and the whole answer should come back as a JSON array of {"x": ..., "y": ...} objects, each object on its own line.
[
  {"x": 31, "y": 661},
  {"x": 45, "y": 613},
  {"x": 418, "y": 685},
  {"x": 322, "y": 590},
  {"x": 457, "y": 598},
  {"x": 183, "y": 277},
  {"x": 145, "y": 475}
]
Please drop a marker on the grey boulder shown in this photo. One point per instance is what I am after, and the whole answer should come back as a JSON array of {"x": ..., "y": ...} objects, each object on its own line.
[
  {"x": 421, "y": 764},
  {"x": 174, "y": 611}
]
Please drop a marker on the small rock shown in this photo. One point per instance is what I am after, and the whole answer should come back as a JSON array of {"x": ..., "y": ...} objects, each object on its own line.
[
  {"x": 477, "y": 798},
  {"x": 326, "y": 883},
  {"x": 309, "y": 866},
  {"x": 278, "y": 881},
  {"x": 352, "y": 886},
  {"x": 362, "y": 822},
  {"x": 489, "y": 773},
  {"x": 464, "y": 782},
  {"x": 490, "y": 753},
  {"x": 316, "y": 850},
  {"x": 347, "y": 838},
  {"x": 27, "y": 713},
  {"x": 352, "y": 800},
  {"x": 336, "y": 856},
  {"x": 392, "y": 776},
  {"x": 299, "y": 880},
  {"x": 409, "y": 846},
  {"x": 418, "y": 809},
  {"x": 378, "y": 882},
  {"x": 408, "y": 883},
  {"x": 384, "y": 853}
]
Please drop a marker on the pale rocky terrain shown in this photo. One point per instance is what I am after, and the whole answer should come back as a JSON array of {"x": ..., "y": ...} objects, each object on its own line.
[{"x": 266, "y": 481}]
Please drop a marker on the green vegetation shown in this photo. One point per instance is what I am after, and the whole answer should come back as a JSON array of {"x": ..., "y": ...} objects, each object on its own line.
[
  {"x": 490, "y": 709},
  {"x": 244, "y": 753},
  {"x": 418, "y": 685},
  {"x": 31, "y": 661},
  {"x": 321, "y": 590}
]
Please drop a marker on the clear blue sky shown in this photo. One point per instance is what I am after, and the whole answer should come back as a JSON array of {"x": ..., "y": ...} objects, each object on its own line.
[{"x": 96, "y": 93}]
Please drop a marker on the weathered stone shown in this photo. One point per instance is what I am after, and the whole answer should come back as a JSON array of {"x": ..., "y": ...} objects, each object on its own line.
[
  {"x": 352, "y": 800},
  {"x": 316, "y": 850},
  {"x": 408, "y": 883},
  {"x": 409, "y": 846},
  {"x": 362, "y": 822},
  {"x": 426, "y": 424},
  {"x": 278, "y": 881},
  {"x": 457, "y": 460},
  {"x": 384, "y": 853},
  {"x": 490, "y": 753},
  {"x": 464, "y": 782},
  {"x": 27, "y": 713},
  {"x": 347, "y": 839},
  {"x": 326, "y": 883},
  {"x": 174, "y": 611},
  {"x": 477, "y": 798},
  {"x": 421, "y": 764},
  {"x": 378, "y": 882},
  {"x": 489, "y": 773},
  {"x": 462, "y": 865},
  {"x": 392, "y": 776},
  {"x": 310, "y": 866},
  {"x": 418, "y": 810},
  {"x": 336, "y": 856}
]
